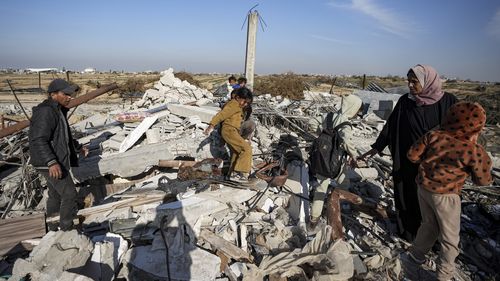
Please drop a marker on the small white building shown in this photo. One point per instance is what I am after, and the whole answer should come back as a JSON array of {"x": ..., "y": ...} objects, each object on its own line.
[{"x": 89, "y": 70}]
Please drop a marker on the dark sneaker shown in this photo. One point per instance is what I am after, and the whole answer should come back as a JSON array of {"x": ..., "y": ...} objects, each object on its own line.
[
  {"x": 52, "y": 226},
  {"x": 415, "y": 269},
  {"x": 415, "y": 259}
]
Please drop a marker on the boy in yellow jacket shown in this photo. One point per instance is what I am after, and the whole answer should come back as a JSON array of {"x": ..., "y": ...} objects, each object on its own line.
[{"x": 231, "y": 117}]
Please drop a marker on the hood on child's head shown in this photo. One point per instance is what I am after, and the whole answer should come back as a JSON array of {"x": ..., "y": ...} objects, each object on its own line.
[
  {"x": 350, "y": 105},
  {"x": 464, "y": 119}
]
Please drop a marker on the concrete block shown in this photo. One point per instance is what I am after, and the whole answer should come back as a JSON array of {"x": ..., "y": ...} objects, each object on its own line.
[
  {"x": 298, "y": 179},
  {"x": 204, "y": 113},
  {"x": 137, "y": 133},
  {"x": 196, "y": 264},
  {"x": 127, "y": 164},
  {"x": 93, "y": 121},
  {"x": 153, "y": 94},
  {"x": 373, "y": 98},
  {"x": 191, "y": 208},
  {"x": 56, "y": 253}
]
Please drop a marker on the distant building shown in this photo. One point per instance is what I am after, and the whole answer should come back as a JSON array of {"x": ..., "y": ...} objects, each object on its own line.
[
  {"x": 89, "y": 70},
  {"x": 36, "y": 70}
]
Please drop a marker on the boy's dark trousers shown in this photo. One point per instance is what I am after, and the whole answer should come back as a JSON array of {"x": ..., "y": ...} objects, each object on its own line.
[{"x": 62, "y": 198}]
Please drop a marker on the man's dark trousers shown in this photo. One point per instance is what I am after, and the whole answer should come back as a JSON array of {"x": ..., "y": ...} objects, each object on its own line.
[{"x": 62, "y": 198}]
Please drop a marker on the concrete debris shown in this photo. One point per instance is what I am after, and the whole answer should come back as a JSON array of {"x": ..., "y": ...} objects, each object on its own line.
[
  {"x": 194, "y": 264},
  {"x": 58, "y": 252},
  {"x": 137, "y": 133},
  {"x": 157, "y": 206},
  {"x": 205, "y": 114}
]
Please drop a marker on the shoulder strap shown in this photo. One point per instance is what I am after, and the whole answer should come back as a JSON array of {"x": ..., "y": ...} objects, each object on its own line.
[
  {"x": 346, "y": 123},
  {"x": 329, "y": 121}
]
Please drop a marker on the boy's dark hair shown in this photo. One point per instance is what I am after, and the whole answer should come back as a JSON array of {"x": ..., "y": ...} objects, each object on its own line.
[
  {"x": 242, "y": 80},
  {"x": 243, "y": 93},
  {"x": 231, "y": 78}
]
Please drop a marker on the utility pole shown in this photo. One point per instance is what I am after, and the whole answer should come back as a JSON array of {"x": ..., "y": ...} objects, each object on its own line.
[{"x": 253, "y": 18}]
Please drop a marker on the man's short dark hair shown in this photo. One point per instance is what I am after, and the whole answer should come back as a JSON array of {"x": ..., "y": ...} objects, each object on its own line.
[{"x": 231, "y": 78}]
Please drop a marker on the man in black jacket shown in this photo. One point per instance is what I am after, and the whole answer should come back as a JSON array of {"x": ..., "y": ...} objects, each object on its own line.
[{"x": 53, "y": 151}]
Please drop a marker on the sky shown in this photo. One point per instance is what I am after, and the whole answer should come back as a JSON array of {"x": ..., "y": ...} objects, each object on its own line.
[{"x": 459, "y": 38}]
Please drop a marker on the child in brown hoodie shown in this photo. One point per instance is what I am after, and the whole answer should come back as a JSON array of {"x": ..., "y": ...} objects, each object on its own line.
[
  {"x": 231, "y": 117},
  {"x": 447, "y": 157}
]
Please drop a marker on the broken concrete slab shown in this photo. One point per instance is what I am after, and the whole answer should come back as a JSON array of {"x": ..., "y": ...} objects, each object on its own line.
[
  {"x": 191, "y": 208},
  {"x": 137, "y": 133},
  {"x": 182, "y": 110},
  {"x": 93, "y": 122},
  {"x": 57, "y": 252},
  {"x": 298, "y": 182},
  {"x": 196, "y": 264},
  {"x": 373, "y": 98},
  {"x": 70, "y": 276},
  {"x": 362, "y": 174},
  {"x": 127, "y": 164},
  {"x": 120, "y": 247},
  {"x": 229, "y": 249}
]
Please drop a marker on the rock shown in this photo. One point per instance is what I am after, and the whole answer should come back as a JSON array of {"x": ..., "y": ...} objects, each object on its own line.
[{"x": 57, "y": 252}]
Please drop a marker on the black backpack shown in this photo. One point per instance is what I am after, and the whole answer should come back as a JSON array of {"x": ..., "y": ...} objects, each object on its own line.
[{"x": 326, "y": 156}]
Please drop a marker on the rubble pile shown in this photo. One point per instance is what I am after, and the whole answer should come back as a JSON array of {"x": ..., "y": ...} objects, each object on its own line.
[{"x": 155, "y": 206}]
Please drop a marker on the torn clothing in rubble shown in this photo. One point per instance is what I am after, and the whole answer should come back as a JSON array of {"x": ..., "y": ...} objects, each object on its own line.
[{"x": 406, "y": 124}]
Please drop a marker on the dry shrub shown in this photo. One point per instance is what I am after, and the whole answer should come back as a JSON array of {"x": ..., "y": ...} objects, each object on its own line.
[
  {"x": 93, "y": 83},
  {"x": 490, "y": 103},
  {"x": 133, "y": 85},
  {"x": 187, "y": 77},
  {"x": 287, "y": 85}
]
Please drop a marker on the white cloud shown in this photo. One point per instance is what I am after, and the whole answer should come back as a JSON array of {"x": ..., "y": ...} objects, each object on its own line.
[
  {"x": 324, "y": 38},
  {"x": 387, "y": 19},
  {"x": 494, "y": 25}
]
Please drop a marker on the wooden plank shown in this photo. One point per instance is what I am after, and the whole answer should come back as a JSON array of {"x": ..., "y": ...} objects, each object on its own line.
[
  {"x": 224, "y": 246},
  {"x": 14, "y": 231}
]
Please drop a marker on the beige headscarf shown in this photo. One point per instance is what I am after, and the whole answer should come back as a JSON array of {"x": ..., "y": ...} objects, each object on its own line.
[{"x": 349, "y": 107}]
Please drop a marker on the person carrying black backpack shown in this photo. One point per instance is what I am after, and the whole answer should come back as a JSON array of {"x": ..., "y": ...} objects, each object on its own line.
[{"x": 329, "y": 152}]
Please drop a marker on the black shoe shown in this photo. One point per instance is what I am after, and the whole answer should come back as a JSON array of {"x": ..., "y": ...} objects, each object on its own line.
[{"x": 52, "y": 226}]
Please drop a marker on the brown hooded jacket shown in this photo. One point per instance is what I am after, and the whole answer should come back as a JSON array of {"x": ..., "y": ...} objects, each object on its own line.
[{"x": 449, "y": 155}]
